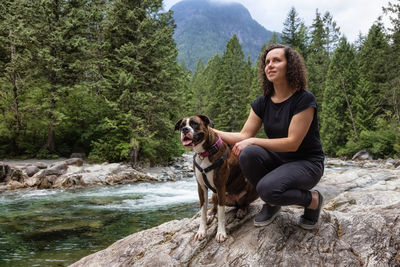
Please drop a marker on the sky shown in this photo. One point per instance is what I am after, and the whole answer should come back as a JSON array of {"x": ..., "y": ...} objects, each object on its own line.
[{"x": 352, "y": 16}]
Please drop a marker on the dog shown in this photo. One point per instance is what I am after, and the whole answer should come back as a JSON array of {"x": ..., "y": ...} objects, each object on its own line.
[{"x": 216, "y": 168}]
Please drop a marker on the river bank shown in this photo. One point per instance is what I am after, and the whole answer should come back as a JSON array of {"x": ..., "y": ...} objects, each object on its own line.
[{"x": 76, "y": 173}]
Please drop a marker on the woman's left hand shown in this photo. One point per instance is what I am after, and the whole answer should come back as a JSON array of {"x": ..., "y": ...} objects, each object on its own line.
[{"x": 239, "y": 146}]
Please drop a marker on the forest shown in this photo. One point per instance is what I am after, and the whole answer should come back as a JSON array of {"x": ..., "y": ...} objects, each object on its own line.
[{"x": 101, "y": 77}]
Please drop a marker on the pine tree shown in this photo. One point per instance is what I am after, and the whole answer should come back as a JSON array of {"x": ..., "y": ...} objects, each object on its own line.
[
  {"x": 337, "y": 114},
  {"x": 324, "y": 38},
  {"x": 199, "y": 98},
  {"x": 144, "y": 79},
  {"x": 295, "y": 32},
  {"x": 372, "y": 58},
  {"x": 393, "y": 94},
  {"x": 232, "y": 91},
  {"x": 210, "y": 81},
  {"x": 318, "y": 59},
  {"x": 15, "y": 63}
]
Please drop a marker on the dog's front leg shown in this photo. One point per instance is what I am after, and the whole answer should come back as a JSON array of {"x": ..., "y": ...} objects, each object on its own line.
[
  {"x": 203, "y": 196},
  {"x": 221, "y": 232}
]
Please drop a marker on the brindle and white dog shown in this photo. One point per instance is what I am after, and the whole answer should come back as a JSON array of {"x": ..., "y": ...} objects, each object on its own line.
[{"x": 216, "y": 168}]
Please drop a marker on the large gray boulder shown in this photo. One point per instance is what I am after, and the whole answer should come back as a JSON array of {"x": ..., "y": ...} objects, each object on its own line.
[{"x": 359, "y": 226}]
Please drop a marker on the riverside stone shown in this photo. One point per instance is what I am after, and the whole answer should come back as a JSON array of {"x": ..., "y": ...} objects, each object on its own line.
[{"x": 31, "y": 170}]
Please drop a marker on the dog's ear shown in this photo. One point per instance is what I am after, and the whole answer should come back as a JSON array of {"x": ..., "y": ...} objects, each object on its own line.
[
  {"x": 206, "y": 120},
  {"x": 178, "y": 125}
]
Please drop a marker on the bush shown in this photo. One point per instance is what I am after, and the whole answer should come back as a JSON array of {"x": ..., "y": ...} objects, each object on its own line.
[{"x": 382, "y": 142}]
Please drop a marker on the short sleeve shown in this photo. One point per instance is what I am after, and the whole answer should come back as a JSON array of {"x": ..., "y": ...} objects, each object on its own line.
[
  {"x": 304, "y": 101},
  {"x": 258, "y": 106}
]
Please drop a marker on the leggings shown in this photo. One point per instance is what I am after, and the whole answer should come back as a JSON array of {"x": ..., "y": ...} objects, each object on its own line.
[{"x": 279, "y": 181}]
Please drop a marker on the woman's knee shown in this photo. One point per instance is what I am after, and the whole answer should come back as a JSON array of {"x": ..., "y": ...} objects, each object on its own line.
[
  {"x": 249, "y": 156},
  {"x": 268, "y": 192}
]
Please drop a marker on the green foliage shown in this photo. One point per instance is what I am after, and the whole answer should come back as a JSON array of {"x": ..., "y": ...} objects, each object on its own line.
[
  {"x": 295, "y": 32},
  {"x": 381, "y": 142},
  {"x": 45, "y": 154},
  {"x": 337, "y": 126},
  {"x": 102, "y": 77}
]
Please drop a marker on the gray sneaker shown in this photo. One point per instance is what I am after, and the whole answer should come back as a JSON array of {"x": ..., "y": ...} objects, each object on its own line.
[{"x": 266, "y": 215}]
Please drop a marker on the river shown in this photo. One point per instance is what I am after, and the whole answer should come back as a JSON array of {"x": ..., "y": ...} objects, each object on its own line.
[{"x": 58, "y": 227}]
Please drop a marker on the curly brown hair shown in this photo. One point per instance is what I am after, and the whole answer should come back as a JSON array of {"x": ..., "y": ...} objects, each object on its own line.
[{"x": 296, "y": 72}]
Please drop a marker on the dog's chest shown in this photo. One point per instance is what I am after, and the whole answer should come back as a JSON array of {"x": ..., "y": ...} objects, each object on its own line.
[{"x": 204, "y": 163}]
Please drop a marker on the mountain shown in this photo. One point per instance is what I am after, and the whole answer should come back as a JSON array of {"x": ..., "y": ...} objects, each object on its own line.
[{"x": 204, "y": 27}]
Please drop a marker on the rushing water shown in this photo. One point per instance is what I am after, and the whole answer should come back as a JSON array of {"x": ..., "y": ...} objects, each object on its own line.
[{"x": 58, "y": 227}]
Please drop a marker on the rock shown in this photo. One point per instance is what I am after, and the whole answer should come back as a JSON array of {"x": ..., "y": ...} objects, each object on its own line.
[
  {"x": 78, "y": 155},
  {"x": 15, "y": 185},
  {"x": 68, "y": 181},
  {"x": 41, "y": 165},
  {"x": 347, "y": 236},
  {"x": 57, "y": 170},
  {"x": 31, "y": 170},
  {"x": 4, "y": 171},
  {"x": 32, "y": 181},
  {"x": 362, "y": 155},
  {"x": 47, "y": 182},
  {"x": 74, "y": 161},
  {"x": 359, "y": 226}
]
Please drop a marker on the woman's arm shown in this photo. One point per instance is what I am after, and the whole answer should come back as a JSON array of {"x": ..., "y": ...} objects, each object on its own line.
[
  {"x": 249, "y": 130},
  {"x": 298, "y": 129}
]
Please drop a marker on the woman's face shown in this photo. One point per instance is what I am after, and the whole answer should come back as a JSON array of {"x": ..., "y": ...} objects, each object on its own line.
[{"x": 275, "y": 65}]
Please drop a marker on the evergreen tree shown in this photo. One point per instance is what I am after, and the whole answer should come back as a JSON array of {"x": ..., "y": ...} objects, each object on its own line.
[
  {"x": 369, "y": 97},
  {"x": 145, "y": 80},
  {"x": 199, "y": 92},
  {"x": 337, "y": 114},
  {"x": 232, "y": 91},
  {"x": 210, "y": 74},
  {"x": 393, "y": 92},
  {"x": 15, "y": 63},
  {"x": 318, "y": 59},
  {"x": 324, "y": 38},
  {"x": 275, "y": 39},
  {"x": 294, "y": 32}
]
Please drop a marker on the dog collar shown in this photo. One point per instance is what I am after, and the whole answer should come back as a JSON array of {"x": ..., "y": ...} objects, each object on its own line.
[{"x": 213, "y": 149}]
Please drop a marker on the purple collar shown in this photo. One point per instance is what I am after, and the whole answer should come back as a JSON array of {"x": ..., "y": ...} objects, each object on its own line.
[{"x": 213, "y": 149}]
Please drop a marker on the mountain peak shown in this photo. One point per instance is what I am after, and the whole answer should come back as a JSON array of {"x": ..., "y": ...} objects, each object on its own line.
[{"x": 205, "y": 26}]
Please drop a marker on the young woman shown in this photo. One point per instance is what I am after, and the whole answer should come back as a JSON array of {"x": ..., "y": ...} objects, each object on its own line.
[{"x": 285, "y": 166}]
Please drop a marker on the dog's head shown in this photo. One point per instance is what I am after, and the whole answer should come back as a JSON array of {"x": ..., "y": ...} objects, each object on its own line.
[{"x": 193, "y": 129}]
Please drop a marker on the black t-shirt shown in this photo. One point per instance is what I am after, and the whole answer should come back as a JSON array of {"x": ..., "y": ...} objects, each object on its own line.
[{"x": 276, "y": 118}]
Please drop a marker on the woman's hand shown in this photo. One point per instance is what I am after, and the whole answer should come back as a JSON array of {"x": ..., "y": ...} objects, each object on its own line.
[{"x": 239, "y": 146}]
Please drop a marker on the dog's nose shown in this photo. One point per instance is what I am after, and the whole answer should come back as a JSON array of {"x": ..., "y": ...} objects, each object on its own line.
[{"x": 185, "y": 130}]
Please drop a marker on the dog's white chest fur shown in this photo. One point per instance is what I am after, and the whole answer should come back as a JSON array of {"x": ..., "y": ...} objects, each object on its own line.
[{"x": 204, "y": 163}]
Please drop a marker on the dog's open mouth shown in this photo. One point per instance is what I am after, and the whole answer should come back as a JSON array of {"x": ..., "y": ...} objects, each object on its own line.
[{"x": 187, "y": 141}]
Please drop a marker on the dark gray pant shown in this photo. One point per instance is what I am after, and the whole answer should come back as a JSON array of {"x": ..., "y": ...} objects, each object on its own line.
[{"x": 280, "y": 181}]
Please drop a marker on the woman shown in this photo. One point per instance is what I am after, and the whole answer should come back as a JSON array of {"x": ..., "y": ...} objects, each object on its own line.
[{"x": 286, "y": 165}]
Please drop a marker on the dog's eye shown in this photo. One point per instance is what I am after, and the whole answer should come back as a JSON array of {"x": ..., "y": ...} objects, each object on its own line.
[{"x": 194, "y": 124}]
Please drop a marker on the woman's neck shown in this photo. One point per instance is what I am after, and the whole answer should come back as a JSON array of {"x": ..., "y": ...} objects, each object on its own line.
[{"x": 282, "y": 91}]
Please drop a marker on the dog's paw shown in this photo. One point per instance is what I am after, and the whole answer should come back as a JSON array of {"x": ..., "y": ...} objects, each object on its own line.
[
  {"x": 241, "y": 213},
  {"x": 221, "y": 237},
  {"x": 200, "y": 235}
]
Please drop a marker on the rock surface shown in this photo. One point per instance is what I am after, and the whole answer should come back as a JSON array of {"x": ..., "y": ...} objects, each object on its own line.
[{"x": 359, "y": 226}]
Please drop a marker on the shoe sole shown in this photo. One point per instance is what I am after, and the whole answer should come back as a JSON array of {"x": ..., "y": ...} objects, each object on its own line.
[
  {"x": 309, "y": 226},
  {"x": 267, "y": 222}
]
